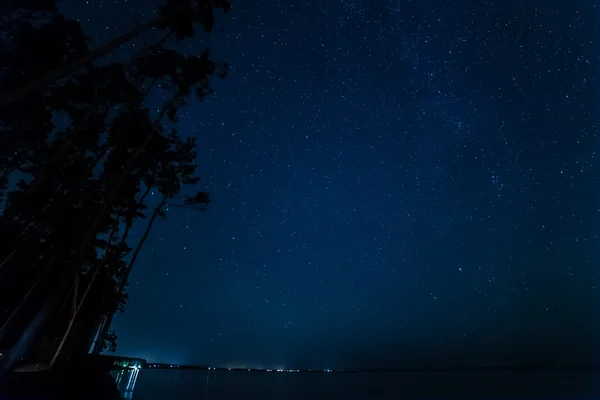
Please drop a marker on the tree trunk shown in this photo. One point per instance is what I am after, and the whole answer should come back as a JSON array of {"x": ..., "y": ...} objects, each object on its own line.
[
  {"x": 90, "y": 232},
  {"x": 99, "y": 345},
  {"x": 77, "y": 305},
  {"x": 105, "y": 326},
  {"x": 55, "y": 75},
  {"x": 141, "y": 243},
  {"x": 72, "y": 320},
  {"x": 31, "y": 331},
  {"x": 40, "y": 279},
  {"x": 25, "y": 341},
  {"x": 100, "y": 335},
  {"x": 66, "y": 145},
  {"x": 57, "y": 213},
  {"x": 38, "y": 180},
  {"x": 143, "y": 197},
  {"x": 12, "y": 253},
  {"x": 105, "y": 329}
]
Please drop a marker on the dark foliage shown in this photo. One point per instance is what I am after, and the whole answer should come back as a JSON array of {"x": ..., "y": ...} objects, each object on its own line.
[{"x": 65, "y": 252}]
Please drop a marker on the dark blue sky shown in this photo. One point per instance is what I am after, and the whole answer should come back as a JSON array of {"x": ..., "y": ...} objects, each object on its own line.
[{"x": 394, "y": 183}]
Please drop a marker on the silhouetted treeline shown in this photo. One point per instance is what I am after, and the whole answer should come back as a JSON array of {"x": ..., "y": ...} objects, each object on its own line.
[{"x": 82, "y": 158}]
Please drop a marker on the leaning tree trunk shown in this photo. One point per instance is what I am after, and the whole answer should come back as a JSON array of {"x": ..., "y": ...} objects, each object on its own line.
[
  {"x": 23, "y": 301},
  {"x": 31, "y": 331},
  {"x": 79, "y": 305},
  {"x": 37, "y": 182},
  {"x": 72, "y": 320},
  {"x": 107, "y": 318},
  {"x": 99, "y": 346},
  {"x": 57, "y": 155},
  {"x": 12, "y": 253},
  {"x": 58, "y": 211},
  {"x": 55, "y": 75},
  {"x": 91, "y": 229}
]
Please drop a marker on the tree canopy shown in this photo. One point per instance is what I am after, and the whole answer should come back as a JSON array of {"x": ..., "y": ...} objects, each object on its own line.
[{"x": 73, "y": 190}]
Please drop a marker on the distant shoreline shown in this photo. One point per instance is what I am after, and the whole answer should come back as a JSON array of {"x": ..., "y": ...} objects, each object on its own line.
[{"x": 523, "y": 368}]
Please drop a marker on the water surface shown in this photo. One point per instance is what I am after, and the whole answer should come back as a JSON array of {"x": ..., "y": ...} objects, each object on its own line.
[{"x": 229, "y": 385}]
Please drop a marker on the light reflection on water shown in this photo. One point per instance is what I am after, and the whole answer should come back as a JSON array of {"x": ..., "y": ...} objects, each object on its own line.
[
  {"x": 230, "y": 385},
  {"x": 126, "y": 380}
]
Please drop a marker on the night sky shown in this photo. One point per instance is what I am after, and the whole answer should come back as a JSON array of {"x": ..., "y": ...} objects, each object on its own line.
[{"x": 394, "y": 183}]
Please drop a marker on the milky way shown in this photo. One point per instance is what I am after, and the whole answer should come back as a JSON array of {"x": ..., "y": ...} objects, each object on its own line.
[{"x": 393, "y": 182}]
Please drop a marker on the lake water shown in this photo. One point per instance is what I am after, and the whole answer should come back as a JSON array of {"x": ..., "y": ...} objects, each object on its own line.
[{"x": 229, "y": 385}]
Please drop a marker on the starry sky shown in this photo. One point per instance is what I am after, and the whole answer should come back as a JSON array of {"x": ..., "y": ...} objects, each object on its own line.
[{"x": 394, "y": 183}]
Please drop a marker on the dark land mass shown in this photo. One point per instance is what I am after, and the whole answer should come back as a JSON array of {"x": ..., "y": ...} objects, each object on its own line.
[{"x": 73, "y": 383}]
